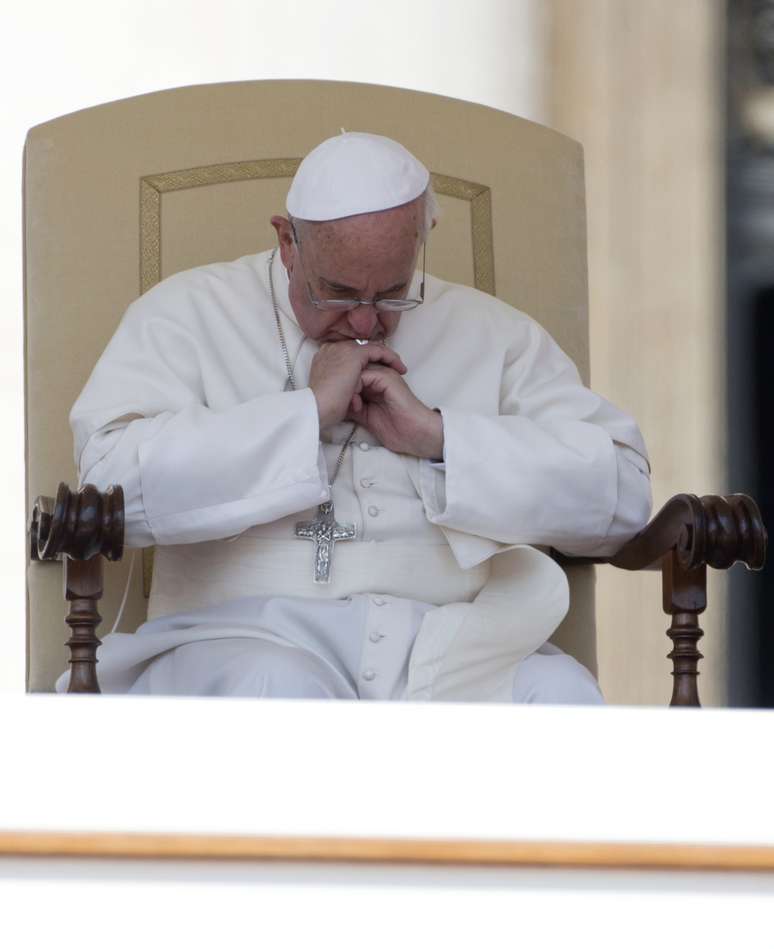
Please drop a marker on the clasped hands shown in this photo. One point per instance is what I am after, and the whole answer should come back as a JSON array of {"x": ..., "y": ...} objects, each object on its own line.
[{"x": 365, "y": 384}]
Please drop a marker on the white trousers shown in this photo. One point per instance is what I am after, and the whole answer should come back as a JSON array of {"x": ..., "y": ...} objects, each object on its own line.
[{"x": 262, "y": 669}]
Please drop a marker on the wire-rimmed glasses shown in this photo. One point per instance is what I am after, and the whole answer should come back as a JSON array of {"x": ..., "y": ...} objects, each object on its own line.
[{"x": 343, "y": 306}]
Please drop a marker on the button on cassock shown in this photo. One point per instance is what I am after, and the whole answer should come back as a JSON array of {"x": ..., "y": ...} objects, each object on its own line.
[
  {"x": 363, "y": 446},
  {"x": 369, "y": 674},
  {"x": 375, "y": 636},
  {"x": 373, "y": 510}
]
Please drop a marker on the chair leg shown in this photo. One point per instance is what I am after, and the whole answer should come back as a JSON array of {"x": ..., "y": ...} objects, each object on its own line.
[
  {"x": 685, "y": 596},
  {"x": 83, "y": 587}
]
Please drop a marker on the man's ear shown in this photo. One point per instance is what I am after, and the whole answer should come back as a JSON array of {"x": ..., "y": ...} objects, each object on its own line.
[{"x": 284, "y": 238}]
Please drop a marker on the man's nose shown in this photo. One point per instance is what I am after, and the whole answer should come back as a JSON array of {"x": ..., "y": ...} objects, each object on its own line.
[{"x": 363, "y": 320}]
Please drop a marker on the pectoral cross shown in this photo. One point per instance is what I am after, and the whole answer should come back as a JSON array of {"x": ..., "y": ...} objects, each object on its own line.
[{"x": 324, "y": 531}]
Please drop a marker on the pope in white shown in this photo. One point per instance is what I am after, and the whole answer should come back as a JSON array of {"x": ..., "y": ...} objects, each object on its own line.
[{"x": 349, "y": 467}]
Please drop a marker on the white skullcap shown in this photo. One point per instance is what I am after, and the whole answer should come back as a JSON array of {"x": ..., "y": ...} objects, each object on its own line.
[{"x": 355, "y": 173}]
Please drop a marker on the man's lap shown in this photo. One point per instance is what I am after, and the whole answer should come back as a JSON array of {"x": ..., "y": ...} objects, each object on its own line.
[
  {"x": 242, "y": 667},
  {"x": 263, "y": 669}
]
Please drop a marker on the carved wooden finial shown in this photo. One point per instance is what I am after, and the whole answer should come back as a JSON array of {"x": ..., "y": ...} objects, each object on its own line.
[
  {"x": 724, "y": 531},
  {"x": 686, "y": 536},
  {"x": 79, "y": 524},
  {"x": 81, "y": 528}
]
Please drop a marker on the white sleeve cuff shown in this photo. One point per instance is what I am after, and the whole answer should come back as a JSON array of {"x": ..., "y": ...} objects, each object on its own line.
[{"x": 432, "y": 484}]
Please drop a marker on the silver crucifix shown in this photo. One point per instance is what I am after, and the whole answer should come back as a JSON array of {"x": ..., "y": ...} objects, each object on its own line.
[{"x": 324, "y": 531}]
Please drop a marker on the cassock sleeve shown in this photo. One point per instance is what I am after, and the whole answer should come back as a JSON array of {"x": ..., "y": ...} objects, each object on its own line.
[
  {"x": 559, "y": 466},
  {"x": 190, "y": 473}
]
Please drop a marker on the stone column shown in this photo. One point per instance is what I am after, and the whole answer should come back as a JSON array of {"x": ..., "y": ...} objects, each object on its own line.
[{"x": 641, "y": 86}]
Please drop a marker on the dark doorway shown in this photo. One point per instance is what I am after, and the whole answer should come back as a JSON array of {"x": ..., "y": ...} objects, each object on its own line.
[{"x": 750, "y": 329}]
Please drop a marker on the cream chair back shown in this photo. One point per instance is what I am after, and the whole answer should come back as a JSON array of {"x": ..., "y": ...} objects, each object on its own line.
[{"x": 119, "y": 196}]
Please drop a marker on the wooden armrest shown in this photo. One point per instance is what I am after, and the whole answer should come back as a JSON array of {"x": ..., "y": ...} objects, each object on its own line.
[
  {"x": 686, "y": 536},
  {"x": 683, "y": 539},
  {"x": 712, "y": 530},
  {"x": 80, "y": 528}
]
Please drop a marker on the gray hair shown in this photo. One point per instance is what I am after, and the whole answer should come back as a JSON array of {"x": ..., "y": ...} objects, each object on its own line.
[{"x": 431, "y": 213}]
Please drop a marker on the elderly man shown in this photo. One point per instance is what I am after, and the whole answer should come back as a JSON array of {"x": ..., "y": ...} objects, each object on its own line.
[{"x": 348, "y": 467}]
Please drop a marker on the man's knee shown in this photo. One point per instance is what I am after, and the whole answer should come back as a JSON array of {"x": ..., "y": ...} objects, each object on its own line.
[
  {"x": 555, "y": 679},
  {"x": 245, "y": 668},
  {"x": 290, "y": 673}
]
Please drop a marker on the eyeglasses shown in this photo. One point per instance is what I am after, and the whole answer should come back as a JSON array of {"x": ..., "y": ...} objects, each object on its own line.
[{"x": 343, "y": 306}]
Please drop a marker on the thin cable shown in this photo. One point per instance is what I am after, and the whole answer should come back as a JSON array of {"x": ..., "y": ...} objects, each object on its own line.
[{"x": 126, "y": 593}]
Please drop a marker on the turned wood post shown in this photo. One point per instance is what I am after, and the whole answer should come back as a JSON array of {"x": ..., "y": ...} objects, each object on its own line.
[
  {"x": 80, "y": 528},
  {"x": 83, "y": 587},
  {"x": 685, "y": 596},
  {"x": 688, "y": 535}
]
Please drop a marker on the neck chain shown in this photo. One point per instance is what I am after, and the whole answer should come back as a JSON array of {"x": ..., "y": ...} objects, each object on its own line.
[
  {"x": 323, "y": 530},
  {"x": 286, "y": 354}
]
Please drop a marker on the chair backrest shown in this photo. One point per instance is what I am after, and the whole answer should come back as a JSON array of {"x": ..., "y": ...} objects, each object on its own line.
[{"x": 121, "y": 195}]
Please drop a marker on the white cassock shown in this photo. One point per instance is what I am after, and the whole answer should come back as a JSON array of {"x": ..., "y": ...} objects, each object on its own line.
[{"x": 443, "y": 593}]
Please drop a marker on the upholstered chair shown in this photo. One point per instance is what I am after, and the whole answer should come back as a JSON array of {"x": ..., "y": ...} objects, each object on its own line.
[{"x": 119, "y": 196}]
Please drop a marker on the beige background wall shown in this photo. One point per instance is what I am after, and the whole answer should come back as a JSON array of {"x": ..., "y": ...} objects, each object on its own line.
[{"x": 640, "y": 85}]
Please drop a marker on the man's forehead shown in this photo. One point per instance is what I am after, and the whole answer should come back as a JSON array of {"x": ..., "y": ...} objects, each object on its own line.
[
  {"x": 402, "y": 224},
  {"x": 355, "y": 264},
  {"x": 351, "y": 254}
]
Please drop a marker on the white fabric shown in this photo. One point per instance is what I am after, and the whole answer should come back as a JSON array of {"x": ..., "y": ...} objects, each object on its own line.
[
  {"x": 355, "y": 173},
  {"x": 256, "y": 668},
  {"x": 551, "y": 677},
  {"x": 186, "y": 410},
  {"x": 340, "y": 641}
]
